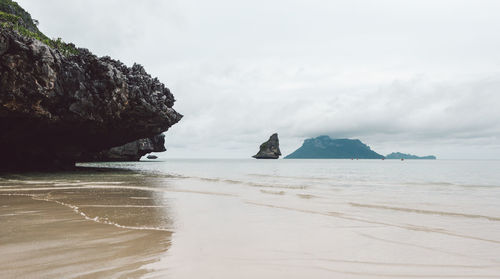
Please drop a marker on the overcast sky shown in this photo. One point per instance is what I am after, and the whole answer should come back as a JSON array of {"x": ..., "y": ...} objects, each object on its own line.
[{"x": 418, "y": 77}]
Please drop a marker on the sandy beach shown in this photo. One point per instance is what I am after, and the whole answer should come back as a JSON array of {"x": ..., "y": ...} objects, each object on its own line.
[
  {"x": 246, "y": 219},
  {"x": 61, "y": 229}
]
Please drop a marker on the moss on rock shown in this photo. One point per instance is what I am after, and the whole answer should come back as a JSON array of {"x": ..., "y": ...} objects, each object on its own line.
[{"x": 13, "y": 17}]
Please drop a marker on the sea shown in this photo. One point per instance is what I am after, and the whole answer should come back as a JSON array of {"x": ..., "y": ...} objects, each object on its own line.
[{"x": 247, "y": 218}]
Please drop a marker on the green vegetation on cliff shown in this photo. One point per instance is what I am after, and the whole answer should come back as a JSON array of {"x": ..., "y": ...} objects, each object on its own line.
[
  {"x": 14, "y": 17},
  {"x": 12, "y": 8}
]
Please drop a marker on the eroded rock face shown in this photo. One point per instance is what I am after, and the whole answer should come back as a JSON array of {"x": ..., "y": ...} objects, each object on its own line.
[
  {"x": 269, "y": 149},
  {"x": 53, "y": 108},
  {"x": 132, "y": 151}
]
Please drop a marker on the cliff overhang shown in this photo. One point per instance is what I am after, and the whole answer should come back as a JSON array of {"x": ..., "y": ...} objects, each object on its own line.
[{"x": 55, "y": 106}]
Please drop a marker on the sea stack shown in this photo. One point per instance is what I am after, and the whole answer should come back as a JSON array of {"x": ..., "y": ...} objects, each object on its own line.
[{"x": 269, "y": 149}]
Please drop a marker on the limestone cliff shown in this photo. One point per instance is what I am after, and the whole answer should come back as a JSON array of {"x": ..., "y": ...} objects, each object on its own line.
[{"x": 56, "y": 105}]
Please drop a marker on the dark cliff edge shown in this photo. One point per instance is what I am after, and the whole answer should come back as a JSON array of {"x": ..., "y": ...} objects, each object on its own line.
[
  {"x": 132, "y": 151},
  {"x": 56, "y": 105}
]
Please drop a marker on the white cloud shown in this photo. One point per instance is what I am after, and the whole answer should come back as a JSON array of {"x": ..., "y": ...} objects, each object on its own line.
[{"x": 411, "y": 76}]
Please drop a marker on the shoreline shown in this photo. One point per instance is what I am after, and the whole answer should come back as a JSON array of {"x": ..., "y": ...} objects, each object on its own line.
[
  {"x": 247, "y": 219},
  {"x": 63, "y": 232}
]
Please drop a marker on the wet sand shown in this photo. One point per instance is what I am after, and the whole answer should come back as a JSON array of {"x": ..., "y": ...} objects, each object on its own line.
[{"x": 78, "y": 232}]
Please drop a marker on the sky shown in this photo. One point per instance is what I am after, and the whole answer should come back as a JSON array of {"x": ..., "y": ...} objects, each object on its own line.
[{"x": 420, "y": 77}]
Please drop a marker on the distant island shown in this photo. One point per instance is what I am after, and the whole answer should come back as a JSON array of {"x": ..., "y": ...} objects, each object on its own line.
[
  {"x": 324, "y": 147},
  {"x": 399, "y": 155}
]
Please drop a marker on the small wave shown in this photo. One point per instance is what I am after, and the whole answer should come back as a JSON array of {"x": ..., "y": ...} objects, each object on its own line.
[
  {"x": 422, "y": 211},
  {"x": 122, "y": 206},
  {"x": 97, "y": 219},
  {"x": 449, "y": 184},
  {"x": 375, "y": 222},
  {"x": 403, "y": 275},
  {"x": 27, "y": 211},
  {"x": 272, "y": 192},
  {"x": 308, "y": 178},
  {"x": 86, "y": 183},
  {"x": 29, "y": 182},
  {"x": 248, "y": 183},
  {"x": 306, "y": 196},
  {"x": 429, "y": 248},
  {"x": 116, "y": 187},
  {"x": 406, "y": 264}
]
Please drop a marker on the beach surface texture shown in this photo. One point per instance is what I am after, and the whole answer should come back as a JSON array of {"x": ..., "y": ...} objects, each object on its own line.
[{"x": 253, "y": 219}]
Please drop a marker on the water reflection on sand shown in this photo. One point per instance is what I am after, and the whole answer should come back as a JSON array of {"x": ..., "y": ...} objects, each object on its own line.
[{"x": 90, "y": 223}]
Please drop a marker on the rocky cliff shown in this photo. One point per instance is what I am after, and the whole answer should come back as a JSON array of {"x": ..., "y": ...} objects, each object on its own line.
[
  {"x": 269, "y": 149},
  {"x": 54, "y": 107}
]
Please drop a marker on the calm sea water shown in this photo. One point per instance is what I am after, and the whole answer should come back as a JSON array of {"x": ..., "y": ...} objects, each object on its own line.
[
  {"x": 331, "y": 218},
  {"x": 300, "y": 218}
]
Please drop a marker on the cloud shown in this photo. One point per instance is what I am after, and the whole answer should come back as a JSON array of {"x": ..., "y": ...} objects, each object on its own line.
[
  {"x": 411, "y": 76},
  {"x": 415, "y": 112}
]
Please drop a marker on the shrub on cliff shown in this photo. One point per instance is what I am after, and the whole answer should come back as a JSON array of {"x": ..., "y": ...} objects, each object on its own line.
[
  {"x": 14, "y": 17},
  {"x": 11, "y": 7}
]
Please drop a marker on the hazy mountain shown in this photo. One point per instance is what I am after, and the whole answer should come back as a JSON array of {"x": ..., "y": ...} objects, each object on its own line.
[
  {"x": 324, "y": 147},
  {"x": 399, "y": 155}
]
